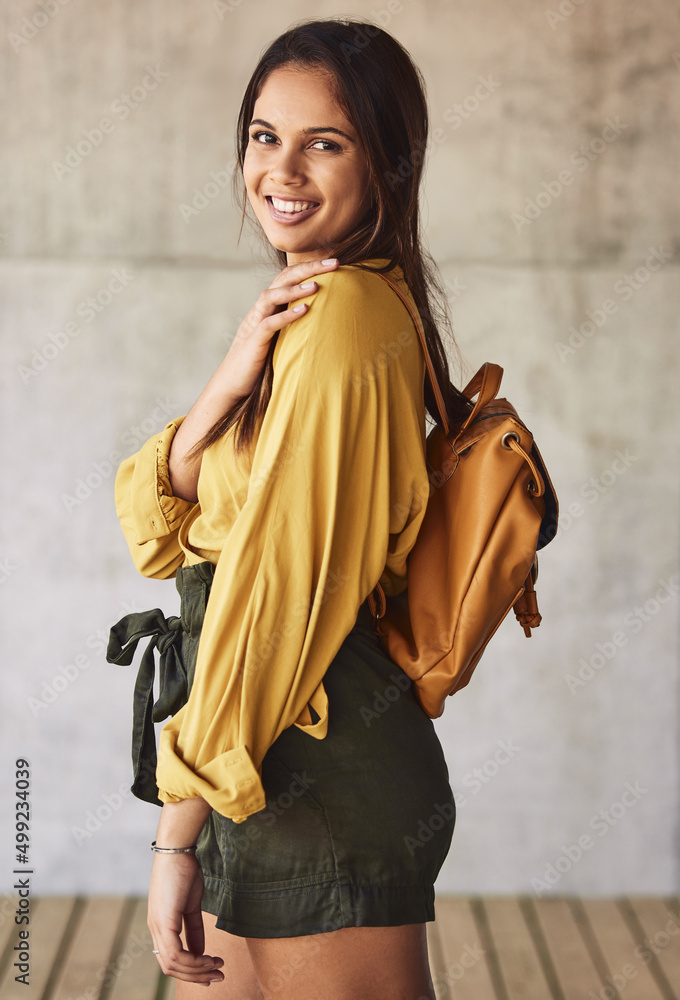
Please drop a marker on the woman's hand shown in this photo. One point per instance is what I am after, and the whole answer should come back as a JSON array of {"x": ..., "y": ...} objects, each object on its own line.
[
  {"x": 248, "y": 351},
  {"x": 175, "y": 895},
  {"x": 240, "y": 368}
]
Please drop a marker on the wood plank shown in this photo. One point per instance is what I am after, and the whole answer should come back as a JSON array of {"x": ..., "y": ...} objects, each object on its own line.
[
  {"x": 135, "y": 971},
  {"x": 486, "y": 948},
  {"x": 49, "y": 918},
  {"x": 576, "y": 973},
  {"x": 519, "y": 961},
  {"x": 462, "y": 970},
  {"x": 659, "y": 943},
  {"x": 84, "y": 970},
  {"x": 617, "y": 946}
]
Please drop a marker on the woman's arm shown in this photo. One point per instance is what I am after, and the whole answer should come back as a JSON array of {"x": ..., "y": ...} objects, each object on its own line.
[
  {"x": 176, "y": 887},
  {"x": 181, "y": 822},
  {"x": 175, "y": 895},
  {"x": 338, "y": 484},
  {"x": 238, "y": 372}
]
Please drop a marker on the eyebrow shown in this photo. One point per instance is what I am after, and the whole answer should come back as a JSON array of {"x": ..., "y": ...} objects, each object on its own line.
[{"x": 314, "y": 130}]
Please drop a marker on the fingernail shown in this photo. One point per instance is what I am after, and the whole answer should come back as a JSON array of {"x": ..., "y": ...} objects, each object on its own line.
[
  {"x": 331, "y": 260},
  {"x": 307, "y": 284},
  {"x": 297, "y": 309}
]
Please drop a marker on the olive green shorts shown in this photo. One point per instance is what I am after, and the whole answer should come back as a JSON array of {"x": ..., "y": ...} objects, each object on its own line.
[{"x": 357, "y": 825}]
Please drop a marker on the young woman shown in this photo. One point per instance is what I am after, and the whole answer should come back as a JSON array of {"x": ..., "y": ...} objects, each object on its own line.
[{"x": 306, "y": 805}]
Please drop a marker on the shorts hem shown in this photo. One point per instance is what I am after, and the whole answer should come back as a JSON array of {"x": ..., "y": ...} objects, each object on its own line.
[{"x": 313, "y": 907}]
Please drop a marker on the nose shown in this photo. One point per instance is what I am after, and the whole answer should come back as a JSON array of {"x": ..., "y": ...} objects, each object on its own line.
[{"x": 288, "y": 166}]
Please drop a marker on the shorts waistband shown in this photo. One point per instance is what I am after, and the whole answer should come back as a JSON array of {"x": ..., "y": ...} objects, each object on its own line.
[
  {"x": 195, "y": 581},
  {"x": 193, "y": 585}
]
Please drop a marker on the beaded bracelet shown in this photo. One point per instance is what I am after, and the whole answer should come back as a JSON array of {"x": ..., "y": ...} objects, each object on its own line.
[{"x": 172, "y": 850}]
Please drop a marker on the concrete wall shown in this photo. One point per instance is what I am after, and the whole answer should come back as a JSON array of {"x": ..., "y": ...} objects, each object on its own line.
[{"x": 571, "y": 107}]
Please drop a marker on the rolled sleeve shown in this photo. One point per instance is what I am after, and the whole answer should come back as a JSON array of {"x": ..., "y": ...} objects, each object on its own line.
[
  {"x": 149, "y": 514},
  {"x": 229, "y": 782}
]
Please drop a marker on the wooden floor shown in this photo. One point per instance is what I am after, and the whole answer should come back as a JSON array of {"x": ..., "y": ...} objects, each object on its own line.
[{"x": 481, "y": 948}]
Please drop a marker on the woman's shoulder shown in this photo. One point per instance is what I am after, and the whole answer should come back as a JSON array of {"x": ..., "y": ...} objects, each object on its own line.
[
  {"x": 361, "y": 282},
  {"x": 358, "y": 296},
  {"x": 353, "y": 315}
]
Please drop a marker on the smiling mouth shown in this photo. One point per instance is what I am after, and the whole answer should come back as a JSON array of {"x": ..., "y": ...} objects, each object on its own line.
[{"x": 292, "y": 209}]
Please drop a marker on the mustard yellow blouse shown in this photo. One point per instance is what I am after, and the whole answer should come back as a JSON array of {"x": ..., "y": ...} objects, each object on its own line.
[{"x": 328, "y": 502}]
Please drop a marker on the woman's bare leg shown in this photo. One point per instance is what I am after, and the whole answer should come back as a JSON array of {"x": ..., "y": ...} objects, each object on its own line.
[
  {"x": 240, "y": 981},
  {"x": 352, "y": 963}
]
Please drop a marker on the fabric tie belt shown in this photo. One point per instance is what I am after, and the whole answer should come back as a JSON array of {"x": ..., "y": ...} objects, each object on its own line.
[
  {"x": 193, "y": 584},
  {"x": 165, "y": 634}
]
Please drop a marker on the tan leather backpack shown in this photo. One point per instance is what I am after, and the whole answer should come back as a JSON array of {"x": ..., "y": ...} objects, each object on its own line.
[{"x": 491, "y": 506}]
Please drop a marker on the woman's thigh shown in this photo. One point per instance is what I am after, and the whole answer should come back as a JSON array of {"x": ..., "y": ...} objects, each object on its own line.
[{"x": 351, "y": 963}]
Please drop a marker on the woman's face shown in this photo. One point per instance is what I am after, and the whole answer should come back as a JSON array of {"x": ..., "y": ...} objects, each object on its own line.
[{"x": 305, "y": 170}]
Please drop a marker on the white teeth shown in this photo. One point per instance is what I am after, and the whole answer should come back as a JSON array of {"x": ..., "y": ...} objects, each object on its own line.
[{"x": 291, "y": 206}]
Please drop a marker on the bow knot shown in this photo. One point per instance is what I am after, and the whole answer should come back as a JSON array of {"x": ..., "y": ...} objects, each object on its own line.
[
  {"x": 167, "y": 638},
  {"x": 173, "y": 689}
]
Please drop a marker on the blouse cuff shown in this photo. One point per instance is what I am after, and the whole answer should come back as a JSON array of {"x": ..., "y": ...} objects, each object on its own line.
[
  {"x": 156, "y": 511},
  {"x": 229, "y": 783}
]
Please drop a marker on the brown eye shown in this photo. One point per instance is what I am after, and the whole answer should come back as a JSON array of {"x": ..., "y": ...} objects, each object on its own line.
[{"x": 256, "y": 137}]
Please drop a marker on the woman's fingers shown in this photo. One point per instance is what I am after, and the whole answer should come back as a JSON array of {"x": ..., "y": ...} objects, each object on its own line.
[
  {"x": 269, "y": 324},
  {"x": 271, "y": 298},
  {"x": 250, "y": 346},
  {"x": 194, "y": 933},
  {"x": 267, "y": 314},
  {"x": 295, "y": 273},
  {"x": 177, "y": 961},
  {"x": 291, "y": 283},
  {"x": 295, "y": 281},
  {"x": 175, "y": 895}
]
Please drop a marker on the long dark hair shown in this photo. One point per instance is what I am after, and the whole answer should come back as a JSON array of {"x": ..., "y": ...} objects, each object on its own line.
[{"x": 382, "y": 93}]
